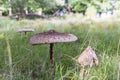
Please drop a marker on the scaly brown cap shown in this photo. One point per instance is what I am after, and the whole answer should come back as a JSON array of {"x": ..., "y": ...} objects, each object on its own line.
[{"x": 51, "y": 37}]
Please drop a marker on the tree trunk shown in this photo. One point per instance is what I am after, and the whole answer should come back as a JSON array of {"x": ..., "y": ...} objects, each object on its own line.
[
  {"x": 10, "y": 9},
  {"x": 10, "y": 12}
]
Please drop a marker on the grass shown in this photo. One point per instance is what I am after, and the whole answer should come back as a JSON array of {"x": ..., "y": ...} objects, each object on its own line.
[{"x": 32, "y": 62}]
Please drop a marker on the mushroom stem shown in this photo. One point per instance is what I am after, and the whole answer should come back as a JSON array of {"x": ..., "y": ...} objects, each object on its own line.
[
  {"x": 25, "y": 32},
  {"x": 52, "y": 60},
  {"x": 51, "y": 54}
]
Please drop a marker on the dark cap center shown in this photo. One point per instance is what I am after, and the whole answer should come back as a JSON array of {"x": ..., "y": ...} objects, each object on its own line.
[{"x": 51, "y": 31}]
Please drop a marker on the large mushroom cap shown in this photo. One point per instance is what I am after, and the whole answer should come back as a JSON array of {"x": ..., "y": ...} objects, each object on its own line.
[
  {"x": 51, "y": 37},
  {"x": 26, "y": 29}
]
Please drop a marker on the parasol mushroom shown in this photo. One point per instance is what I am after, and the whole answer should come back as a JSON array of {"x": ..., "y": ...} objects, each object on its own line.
[
  {"x": 87, "y": 58},
  {"x": 51, "y": 37},
  {"x": 25, "y": 30}
]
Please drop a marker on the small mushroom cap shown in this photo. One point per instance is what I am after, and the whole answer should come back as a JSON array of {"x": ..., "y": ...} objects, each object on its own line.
[
  {"x": 27, "y": 29},
  {"x": 51, "y": 37},
  {"x": 88, "y": 57}
]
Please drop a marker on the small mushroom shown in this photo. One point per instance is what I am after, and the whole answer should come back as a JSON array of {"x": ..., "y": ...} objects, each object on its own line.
[
  {"x": 87, "y": 58},
  {"x": 51, "y": 37},
  {"x": 25, "y": 30}
]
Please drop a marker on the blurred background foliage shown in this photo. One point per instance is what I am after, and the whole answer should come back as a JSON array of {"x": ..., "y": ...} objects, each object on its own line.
[{"x": 51, "y": 6}]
